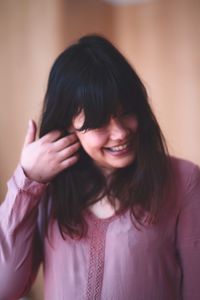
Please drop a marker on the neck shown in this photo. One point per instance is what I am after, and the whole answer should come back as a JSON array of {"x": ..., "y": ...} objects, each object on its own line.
[{"x": 103, "y": 208}]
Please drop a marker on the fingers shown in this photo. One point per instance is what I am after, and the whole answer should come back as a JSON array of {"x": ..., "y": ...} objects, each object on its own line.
[
  {"x": 65, "y": 142},
  {"x": 68, "y": 152},
  {"x": 69, "y": 162},
  {"x": 31, "y": 133},
  {"x": 55, "y": 136},
  {"x": 51, "y": 136}
]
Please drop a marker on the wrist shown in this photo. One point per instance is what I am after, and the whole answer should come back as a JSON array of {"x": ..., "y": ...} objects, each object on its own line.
[{"x": 33, "y": 177}]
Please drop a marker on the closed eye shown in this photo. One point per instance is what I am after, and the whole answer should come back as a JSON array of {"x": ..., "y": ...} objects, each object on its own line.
[{"x": 82, "y": 130}]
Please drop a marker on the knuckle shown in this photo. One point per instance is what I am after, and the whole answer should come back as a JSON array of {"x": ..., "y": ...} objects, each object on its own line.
[
  {"x": 72, "y": 150},
  {"x": 72, "y": 138},
  {"x": 64, "y": 142}
]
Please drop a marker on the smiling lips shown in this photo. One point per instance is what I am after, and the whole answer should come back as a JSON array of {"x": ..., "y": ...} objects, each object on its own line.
[{"x": 121, "y": 149}]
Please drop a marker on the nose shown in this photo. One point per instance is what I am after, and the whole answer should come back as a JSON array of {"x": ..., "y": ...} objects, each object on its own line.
[{"x": 117, "y": 129}]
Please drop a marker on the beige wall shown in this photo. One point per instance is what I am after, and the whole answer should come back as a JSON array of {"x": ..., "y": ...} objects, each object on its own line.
[
  {"x": 160, "y": 38},
  {"x": 30, "y": 39}
]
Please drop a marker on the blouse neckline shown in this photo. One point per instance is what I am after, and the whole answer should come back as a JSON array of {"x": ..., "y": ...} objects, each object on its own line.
[{"x": 95, "y": 219}]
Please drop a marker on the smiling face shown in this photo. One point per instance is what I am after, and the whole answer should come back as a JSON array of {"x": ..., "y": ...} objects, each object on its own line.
[{"x": 111, "y": 146}]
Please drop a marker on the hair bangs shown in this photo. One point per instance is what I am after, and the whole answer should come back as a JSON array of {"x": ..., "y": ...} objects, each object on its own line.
[{"x": 97, "y": 97}]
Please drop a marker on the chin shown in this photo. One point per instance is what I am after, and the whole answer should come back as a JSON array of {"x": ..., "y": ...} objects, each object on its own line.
[{"x": 123, "y": 164}]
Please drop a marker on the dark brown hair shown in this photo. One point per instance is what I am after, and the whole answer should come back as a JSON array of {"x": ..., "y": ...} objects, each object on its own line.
[{"x": 93, "y": 76}]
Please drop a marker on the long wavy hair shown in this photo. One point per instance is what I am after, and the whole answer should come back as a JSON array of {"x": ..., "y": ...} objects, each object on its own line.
[{"x": 92, "y": 76}]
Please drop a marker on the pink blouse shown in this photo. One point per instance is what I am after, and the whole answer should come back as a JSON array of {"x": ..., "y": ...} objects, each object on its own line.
[{"x": 115, "y": 261}]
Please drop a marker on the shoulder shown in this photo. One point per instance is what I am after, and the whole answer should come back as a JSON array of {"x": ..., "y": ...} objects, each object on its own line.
[
  {"x": 184, "y": 166},
  {"x": 183, "y": 169},
  {"x": 185, "y": 175}
]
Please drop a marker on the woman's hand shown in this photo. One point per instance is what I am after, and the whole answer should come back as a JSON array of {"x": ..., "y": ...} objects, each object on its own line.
[{"x": 44, "y": 158}]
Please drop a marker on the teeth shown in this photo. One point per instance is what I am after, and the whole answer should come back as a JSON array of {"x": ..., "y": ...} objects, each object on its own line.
[{"x": 119, "y": 148}]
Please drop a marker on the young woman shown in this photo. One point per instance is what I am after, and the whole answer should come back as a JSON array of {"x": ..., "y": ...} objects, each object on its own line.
[{"x": 97, "y": 199}]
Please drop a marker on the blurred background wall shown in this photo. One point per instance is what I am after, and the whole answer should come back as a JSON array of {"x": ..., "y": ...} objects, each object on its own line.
[{"x": 160, "y": 38}]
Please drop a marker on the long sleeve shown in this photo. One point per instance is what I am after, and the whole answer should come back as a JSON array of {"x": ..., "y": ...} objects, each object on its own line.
[
  {"x": 19, "y": 248},
  {"x": 188, "y": 238}
]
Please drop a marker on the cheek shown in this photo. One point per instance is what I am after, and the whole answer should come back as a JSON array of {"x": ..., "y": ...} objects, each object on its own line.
[
  {"x": 133, "y": 124},
  {"x": 91, "y": 141}
]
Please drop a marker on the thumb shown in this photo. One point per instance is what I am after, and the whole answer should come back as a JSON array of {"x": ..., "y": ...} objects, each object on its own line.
[{"x": 31, "y": 133}]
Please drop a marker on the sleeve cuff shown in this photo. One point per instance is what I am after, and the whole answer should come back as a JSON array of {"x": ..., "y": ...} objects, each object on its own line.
[{"x": 22, "y": 183}]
